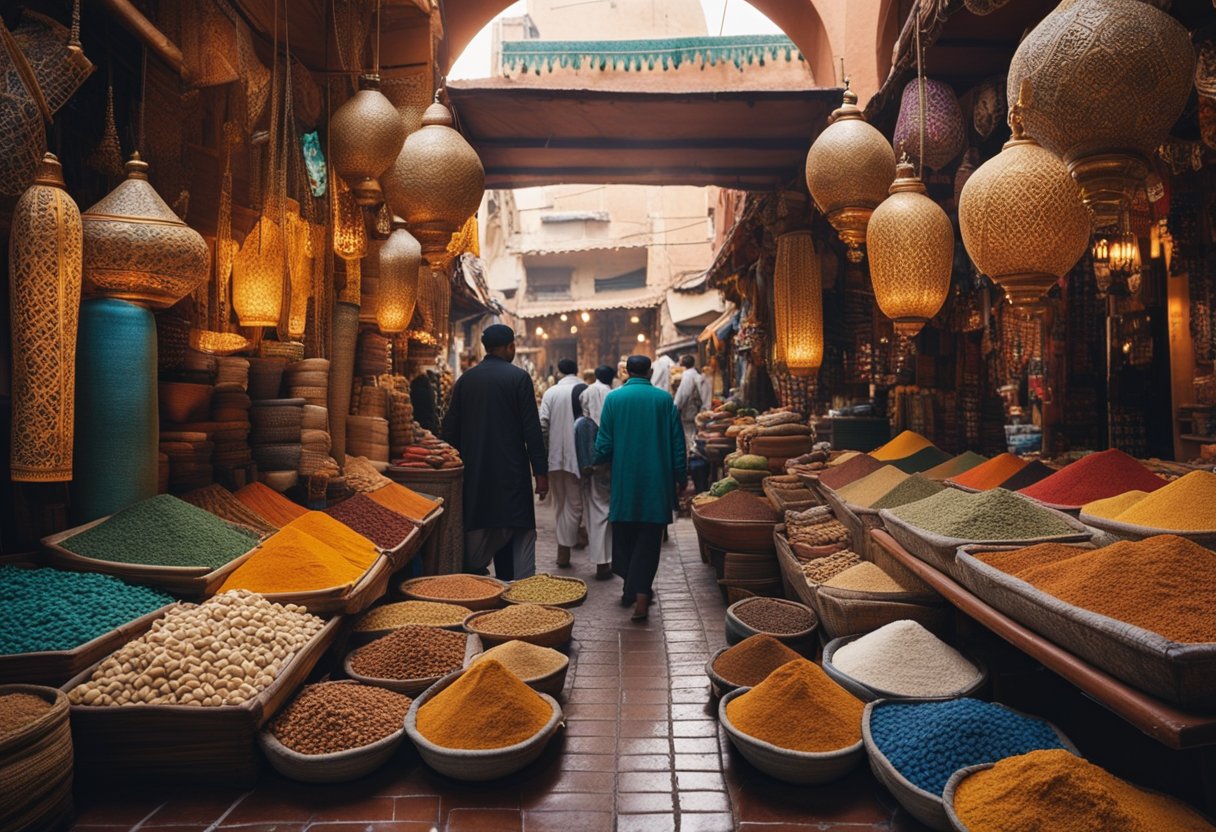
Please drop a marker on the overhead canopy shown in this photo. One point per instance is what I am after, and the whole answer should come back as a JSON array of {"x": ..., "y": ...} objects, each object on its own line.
[
  {"x": 541, "y": 309},
  {"x": 749, "y": 139},
  {"x": 694, "y": 309}
]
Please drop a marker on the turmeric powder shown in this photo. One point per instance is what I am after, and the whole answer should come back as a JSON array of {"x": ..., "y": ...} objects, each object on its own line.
[
  {"x": 310, "y": 553},
  {"x": 1058, "y": 790},
  {"x": 799, "y": 708},
  {"x": 1111, "y": 507},
  {"x": 402, "y": 500},
  {"x": 1187, "y": 504},
  {"x": 904, "y": 445},
  {"x": 487, "y": 707},
  {"x": 269, "y": 504}
]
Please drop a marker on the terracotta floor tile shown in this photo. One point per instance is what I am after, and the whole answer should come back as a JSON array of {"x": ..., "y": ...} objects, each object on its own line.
[
  {"x": 364, "y": 826},
  {"x": 701, "y": 781},
  {"x": 698, "y": 762},
  {"x": 690, "y": 696},
  {"x": 187, "y": 811},
  {"x": 695, "y": 745},
  {"x": 417, "y": 808},
  {"x": 643, "y": 762},
  {"x": 706, "y": 822},
  {"x": 585, "y": 710},
  {"x": 645, "y": 823},
  {"x": 694, "y": 728},
  {"x": 598, "y": 657},
  {"x": 631, "y": 683},
  {"x": 695, "y": 710},
  {"x": 375, "y": 808},
  {"x": 568, "y": 822},
  {"x": 119, "y": 808},
  {"x": 584, "y": 696},
  {"x": 594, "y": 802},
  {"x": 264, "y": 808},
  {"x": 704, "y": 801},
  {"x": 484, "y": 820},
  {"x": 590, "y": 745},
  {"x": 588, "y": 762},
  {"x": 598, "y": 669},
  {"x": 645, "y": 728},
  {"x": 591, "y": 728},
  {"x": 648, "y": 712},
  {"x": 644, "y": 745},
  {"x": 599, "y": 782},
  {"x": 284, "y": 826},
  {"x": 645, "y": 802},
  {"x": 644, "y": 781},
  {"x": 644, "y": 697},
  {"x": 605, "y": 683}
]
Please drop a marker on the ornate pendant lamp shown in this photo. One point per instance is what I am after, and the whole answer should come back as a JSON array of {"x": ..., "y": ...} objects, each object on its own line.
[
  {"x": 1021, "y": 216},
  {"x": 797, "y": 305},
  {"x": 1110, "y": 79},
  {"x": 299, "y": 268},
  {"x": 400, "y": 259},
  {"x": 848, "y": 171},
  {"x": 257, "y": 274},
  {"x": 944, "y": 131}
]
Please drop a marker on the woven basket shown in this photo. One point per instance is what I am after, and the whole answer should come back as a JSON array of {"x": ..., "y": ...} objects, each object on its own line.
[
  {"x": 551, "y": 683},
  {"x": 792, "y": 576},
  {"x": 781, "y": 447},
  {"x": 410, "y": 687},
  {"x": 844, "y": 612},
  {"x": 289, "y": 350},
  {"x": 318, "y": 396},
  {"x": 410, "y": 590},
  {"x": 309, "y": 365},
  {"x": 316, "y": 417},
  {"x": 279, "y": 480},
  {"x": 265, "y": 377},
  {"x": 866, "y": 693},
  {"x": 277, "y": 457},
  {"x": 184, "y": 402},
  {"x": 573, "y": 582},
  {"x": 276, "y": 412},
  {"x": 805, "y": 642},
  {"x": 798, "y": 767},
  {"x": 558, "y": 637},
  {"x": 789, "y": 499},
  {"x": 737, "y": 566},
  {"x": 36, "y": 766},
  {"x": 1128, "y": 531},
  {"x": 285, "y": 435},
  {"x": 846, "y": 514},
  {"x": 339, "y": 767},
  {"x": 745, "y": 536}
]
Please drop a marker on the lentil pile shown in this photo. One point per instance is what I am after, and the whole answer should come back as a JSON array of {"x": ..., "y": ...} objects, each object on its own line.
[
  {"x": 1163, "y": 584},
  {"x": 456, "y": 588},
  {"x": 915, "y": 487},
  {"x": 269, "y": 504},
  {"x": 311, "y": 553},
  {"x": 338, "y": 716},
  {"x": 1188, "y": 504},
  {"x": 824, "y": 569},
  {"x": 402, "y": 500},
  {"x": 411, "y": 652},
  {"x": 545, "y": 589},
  {"x": 989, "y": 515},
  {"x": 163, "y": 531},
  {"x": 992, "y": 473},
  {"x": 527, "y": 661},
  {"x": 955, "y": 465},
  {"x": 521, "y": 620},
  {"x": 47, "y": 609},
  {"x": 866, "y": 577},
  {"x": 799, "y": 708},
  {"x": 739, "y": 505},
  {"x": 382, "y": 526},
  {"x": 224, "y": 651},
  {"x": 487, "y": 707},
  {"x": 927, "y": 742},
  {"x": 17, "y": 710},
  {"x": 750, "y": 662},
  {"x": 906, "y": 444},
  {"x": 1093, "y": 477},
  {"x": 1059, "y": 790},
  {"x": 906, "y": 659},
  {"x": 428, "y": 613},
  {"x": 869, "y": 488},
  {"x": 768, "y": 615},
  {"x": 855, "y": 468}
]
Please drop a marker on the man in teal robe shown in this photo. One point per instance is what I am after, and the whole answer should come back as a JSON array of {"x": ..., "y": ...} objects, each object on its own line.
[{"x": 641, "y": 435}]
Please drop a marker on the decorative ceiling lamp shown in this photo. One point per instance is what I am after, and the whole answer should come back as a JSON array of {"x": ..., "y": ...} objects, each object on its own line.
[
  {"x": 1110, "y": 79},
  {"x": 366, "y": 134},
  {"x": 945, "y": 131},
  {"x": 299, "y": 268},
  {"x": 1021, "y": 216},
  {"x": 1117, "y": 256},
  {"x": 257, "y": 274},
  {"x": 400, "y": 260},
  {"x": 848, "y": 171},
  {"x": 349, "y": 240},
  {"x": 797, "y": 304}
]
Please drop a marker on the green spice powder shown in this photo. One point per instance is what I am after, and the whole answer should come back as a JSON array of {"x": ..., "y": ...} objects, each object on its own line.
[
  {"x": 989, "y": 515},
  {"x": 915, "y": 487}
]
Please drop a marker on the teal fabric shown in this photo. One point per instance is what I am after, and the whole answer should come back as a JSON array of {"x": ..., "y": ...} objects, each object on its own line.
[
  {"x": 635, "y": 55},
  {"x": 117, "y": 450},
  {"x": 640, "y": 434}
]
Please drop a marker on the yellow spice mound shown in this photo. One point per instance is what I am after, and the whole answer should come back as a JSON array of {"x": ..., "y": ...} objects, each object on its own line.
[
  {"x": 487, "y": 707},
  {"x": 798, "y": 707},
  {"x": 1188, "y": 504},
  {"x": 312, "y": 552},
  {"x": 1112, "y": 507},
  {"x": 906, "y": 444}
]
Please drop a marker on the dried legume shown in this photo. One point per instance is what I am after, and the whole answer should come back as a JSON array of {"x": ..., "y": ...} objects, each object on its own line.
[
  {"x": 739, "y": 505},
  {"x": 865, "y": 577},
  {"x": 824, "y": 569},
  {"x": 767, "y": 615},
  {"x": 749, "y": 662},
  {"x": 989, "y": 515},
  {"x": 527, "y": 661},
  {"x": 338, "y": 716},
  {"x": 428, "y": 613},
  {"x": 456, "y": 588},
  {"x": 545, "y": 589},
  {"x": 17, "y": 710},
  {"x": 382, "y": 526},
  {"x": 798, "y": 707},
  {"x": 906, "y": 659},
  {"x": 521, "y": 620},
  {"x": 411, "y": 652}
]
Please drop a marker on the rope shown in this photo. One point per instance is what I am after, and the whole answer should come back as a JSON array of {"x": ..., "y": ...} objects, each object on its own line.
[{"x": 920, "y": 94}]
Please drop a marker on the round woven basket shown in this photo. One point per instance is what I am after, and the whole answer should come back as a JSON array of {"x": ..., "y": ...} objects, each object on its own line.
[
  {"x": 478, "y": 765},
  {"x": 867, "y": 693},
  {"x": 180, "y": 402},
  {"x": 414, "y": 590},
  {"x": 285, "y": 350},
  {"x": 551, "y": 683},
  {"x": 315, "y": 439},
  {"x": 316, "y": 417},
  {"x": 804, "y": 641},
  {"x": 310, "y": 365},
  {"x": 575, "y": 584},
  {"x": 265, "y": 377},
  {"x": 279, "y": 480},
  {"x": 36, "y": 765},
  {"x": 719, "y": 685},
  {"x": 284, "y": 435},
  {"x": 283, "y": 457},
  {"x": 556, "y": 637},
  {"x": 410, "y": 687},
  {"x": 338, "y": 767},
  {"x": 313, "y": 395},
  {"x": 798, "y": 767}
]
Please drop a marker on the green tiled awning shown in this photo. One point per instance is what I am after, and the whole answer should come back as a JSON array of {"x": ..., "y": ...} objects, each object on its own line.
[{"x": 635, "y": 55}]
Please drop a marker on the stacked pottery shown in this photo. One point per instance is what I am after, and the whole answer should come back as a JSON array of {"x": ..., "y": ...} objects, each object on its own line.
[
  {"x": 275, "y": 439},
  {"x": 309, "y": 380}
]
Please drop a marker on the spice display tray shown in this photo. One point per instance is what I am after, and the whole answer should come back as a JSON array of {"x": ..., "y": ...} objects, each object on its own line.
[
  {"x": 792, "y": 575},
  {"x": 925, "y": 806},
  {"x": 408, "y": 589},
  {"x": 867, "y": 693},
  {"x": 370, "y": 587},
  {"x": 746, "y": 536},
  {"x": 1182, "y": 674},
  {"x": 183, "y": 743},
  {"x": 577, "y": 602},
  {"x": 798, "y": 767},
  {"x": 556, "y": 638},
  {"x": 777, "y": 496},
  {"x": 846, "y": 612},
  {"x": 400, "y": 555},
  {"x": 805, "y": 642},
  {"x": 848, "y": 515},
  {"x": 338, "y": 767},
  {"x": 411, "y": 687},
  {"x": 1129, "y": 531}
]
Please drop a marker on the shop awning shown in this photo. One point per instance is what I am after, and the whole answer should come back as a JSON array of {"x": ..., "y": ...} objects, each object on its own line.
[
  {"x": 681, "y": 345},
  {"x": 472, "y": 297},
  {"x": 719, "y": 323},
  {"x": 541, "y": 309},
  {"x": 691, "y": 309}
]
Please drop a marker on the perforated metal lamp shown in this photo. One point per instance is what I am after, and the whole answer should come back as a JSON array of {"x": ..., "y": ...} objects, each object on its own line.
[
  {"x": 797, "y": 304},
  {"x": 365, "y": 137},
  {"x": 400, "y": 259}
]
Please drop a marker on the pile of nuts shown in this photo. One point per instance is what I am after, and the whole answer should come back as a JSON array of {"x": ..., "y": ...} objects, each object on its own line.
[
  {"x": 545, "y": 589},
  {"x": 224, "y": 651},
  {"x": 767, "y": 615},
  {"x": 337, "y": 716},
  {"x": 521, "y": 620},
  {"x": 411, "y": 652},
  {"x": 430, "y": 613}
]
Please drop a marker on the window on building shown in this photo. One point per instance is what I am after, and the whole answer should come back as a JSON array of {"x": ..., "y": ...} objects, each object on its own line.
[
  {"x": 635, "y": 279},
  {"x": 549, "y": 282}
]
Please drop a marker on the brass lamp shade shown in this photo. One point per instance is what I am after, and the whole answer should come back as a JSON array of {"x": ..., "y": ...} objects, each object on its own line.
[
  {"x": 257, "y": 275},
  {"x": 299, "y": 268},
  {"x": 911, "y": 245},
  {"x": 365, "y": 136},
  {"x": 848, "y": 171},
  {"x": 136, "y": 249},
  {"x": 1110, "y": 78},
  {"x": 400, "y": 260},
  {"x": 797, "y": 305},
  {"x": 945, "y": 129}
]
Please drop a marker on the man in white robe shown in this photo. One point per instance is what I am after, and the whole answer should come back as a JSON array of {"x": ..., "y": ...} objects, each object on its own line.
[
  {"x": 596, "y": 479},
  {"x": 691, "y": 398},
  {"x": 660, "y": 373},
  {"x": 557, "y": 414},
  {"x": 592, "y": 399}
]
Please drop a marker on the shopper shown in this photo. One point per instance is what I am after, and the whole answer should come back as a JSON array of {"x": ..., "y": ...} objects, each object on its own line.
[
  {"x": 596, "y": 483},
  {"x": 690, "y": 398},
  {"x": 640, "y": 434},
  {"x": 558, "y": 410},
  {"x": 493, "y": 422},
  {"x": 593, "y": 397},
  {"x": 660, "y": 373}
]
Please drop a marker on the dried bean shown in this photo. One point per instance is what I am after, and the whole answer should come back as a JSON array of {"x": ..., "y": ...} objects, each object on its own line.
[
  {"x": 411, "y": 652},
  {"x": 384, "y": 527},
  {"x": 337, "y": 716},
  {"x": 770, "y": 616}
]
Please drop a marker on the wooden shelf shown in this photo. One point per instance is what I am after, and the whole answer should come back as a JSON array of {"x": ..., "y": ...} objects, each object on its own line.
[{"x": 1205, "y": 440}]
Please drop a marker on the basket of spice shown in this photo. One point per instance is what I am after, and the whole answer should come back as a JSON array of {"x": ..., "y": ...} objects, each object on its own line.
[
  {"x": 788, "y": 493},
  {"x": 1095, "y": 476},
  {"x": 544, "y": 588},
  {"x": 482, "y": 723},
  {"x": 864, "y": 597},
  {"x": 797, "y": 725},
  {"x": 35, "y": 758},
  {"x": 737, "y": 522},
  {"x": 747, "y": 663},
  {"x": 412, "y": 658},
  {"x": 333, "y": 732},
  {"x": 916, "y": 745},
  {"x": 541, "y": 668},
  {"x": 382, "y": 620},
  {"x": 902, "y": 660},
  {"x": 789, "y": 622},
  {"x": 1139, "y": 610},
  {"x": 792, "y": 578},
  {"x": 390, "y": 531},
  {"x": 538, "y": 624},
  {"x": 1183, "y": 508},
  {"x": 476, "y": 592}
]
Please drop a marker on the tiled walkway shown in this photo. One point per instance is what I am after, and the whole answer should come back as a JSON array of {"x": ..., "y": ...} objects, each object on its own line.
[{"x": 641, "y": 752}]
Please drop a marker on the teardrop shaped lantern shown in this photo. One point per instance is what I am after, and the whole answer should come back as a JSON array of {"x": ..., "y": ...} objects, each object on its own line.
[
  {"x": 1110, "y": 79},
  {"x": 400, "y": 259},
  {"x": 945, "y": 130},
  {"x": 44, "y": 257},
  {"x": 848, "y": 171},
  {"x": 797, "y": 305},
  {"x": 299, "y": 268},
  {"x": 136, "y": 249},
  {"x": 257, "y": 274},
  {"x": 1021, "y": 216},
  {"x": 365, "y": 136},
  {"x": 437, "y": 181},
  {"x": 911, "y": 245}
]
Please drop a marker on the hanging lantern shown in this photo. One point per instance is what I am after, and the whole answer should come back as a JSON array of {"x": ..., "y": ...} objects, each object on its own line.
[
  {"x": 988, "y": 106},
  {"x": 365, "y": 136},
  {"x": 797, "y": 305},
  {"x": 848, "y": 171},
  {"x": 911, "y": 244},
  {"x": 945, "y": 131},
  {"x": 400, "y": 259},
  {"x": 299, "y": 268},
  {"x": 136, "y": 249},
  {"x": 437, "y": 181},
  {"x": 257, "y": 275},
  {"x": 349, "y": 240},
  {"x": 44, "y": 254},
  {"x": 1021, "y": 217},
  {"x": 1110, "y": 79},
  {"x": 435, "y": 301},
  {"x": 971, "y": 160}
]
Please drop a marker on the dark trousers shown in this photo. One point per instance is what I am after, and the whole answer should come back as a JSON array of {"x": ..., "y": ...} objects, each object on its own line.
[
  {"x": 504, "y": 562},
  {"x": 635, "y": 556}
]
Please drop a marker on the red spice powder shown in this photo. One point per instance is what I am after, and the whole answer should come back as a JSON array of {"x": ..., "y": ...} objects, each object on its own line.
[
  {"x": 1094, "y": 477},
  {"x": 992, "y": 473},
  {"x": 855, "y": 468}
]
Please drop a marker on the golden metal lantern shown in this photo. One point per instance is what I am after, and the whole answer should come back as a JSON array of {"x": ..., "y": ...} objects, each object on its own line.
[
  {"x": 435, "y": 301},
  {"x": 44, "y": 258},
  {"x": 1110, "y": 78},
  {"x": 400, "y": 259},
  {"x": 797, "y": 305},
  {"x": 848, "y": 170},
  {"x": 349, "y": 239},
  {"x": 299, "y": 268},
  {"x": 136, "y": 249},
  {"x": 257, "y": 275},
  {"x": 1022, "y": 219},
  {"x": 365, "y": 137},
  {"x": 911, "y": 245},
  {"x": 940, "y": 130}
]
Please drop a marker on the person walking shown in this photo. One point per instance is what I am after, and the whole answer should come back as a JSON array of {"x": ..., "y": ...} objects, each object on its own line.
[
  {"x": 593, "y": 397},
  {"x": 660, "y": 373},
  {"x": 558, "y": 410},
  {"x": 596, "y": 483},
  {"x": 640, "y": 435},
  {"x": 690, "y": 398},
  {"x": 493, "y": 423}
]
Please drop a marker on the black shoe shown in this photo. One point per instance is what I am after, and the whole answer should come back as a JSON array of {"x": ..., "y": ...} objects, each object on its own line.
[{"x": 603, "y": 572}]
